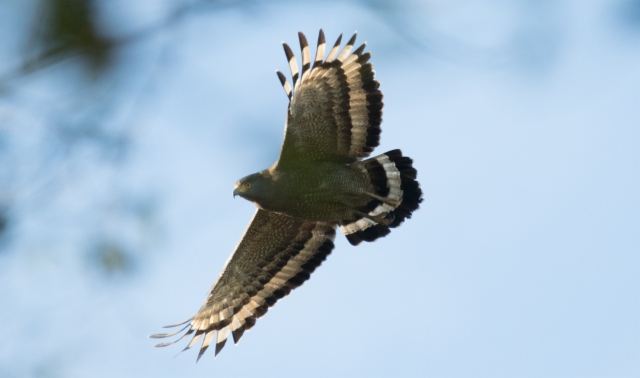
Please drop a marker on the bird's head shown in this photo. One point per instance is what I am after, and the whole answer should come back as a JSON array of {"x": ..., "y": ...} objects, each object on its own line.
[{"x": 252, "y": 187}]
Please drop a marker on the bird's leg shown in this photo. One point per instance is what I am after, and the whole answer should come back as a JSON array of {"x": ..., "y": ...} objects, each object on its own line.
[
  {"x": 388, "y": 200},
  {"x": 384, "y": 219}
]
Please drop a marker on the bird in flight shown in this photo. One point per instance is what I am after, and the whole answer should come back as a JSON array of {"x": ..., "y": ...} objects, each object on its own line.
[{"x": 323, "y": 179}]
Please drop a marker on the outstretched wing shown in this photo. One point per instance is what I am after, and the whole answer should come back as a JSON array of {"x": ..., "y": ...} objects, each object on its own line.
[
  {"x": 335, "y": 108},
  {"x": 276, "y": 254}
]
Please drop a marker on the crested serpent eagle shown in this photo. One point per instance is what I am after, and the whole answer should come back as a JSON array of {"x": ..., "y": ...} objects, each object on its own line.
[{"x": 322, "y": 179}]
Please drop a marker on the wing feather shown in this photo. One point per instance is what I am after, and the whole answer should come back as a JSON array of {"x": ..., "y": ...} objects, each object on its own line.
[
  {"x": 293, "y": 64},
  {"x": 335, "y": 112},
  {"x": 275, "y": 255},
  {"x": 347, "y": 48},
  {"x": 334, "y": 49},
  {"x": 285, "y": 84},
  {"x": 306, "y": 56},
  {"x": 320, "y": 49}
]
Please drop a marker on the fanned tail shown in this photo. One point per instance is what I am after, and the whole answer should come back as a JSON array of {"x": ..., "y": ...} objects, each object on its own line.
[{"x": 398, "y": 196}]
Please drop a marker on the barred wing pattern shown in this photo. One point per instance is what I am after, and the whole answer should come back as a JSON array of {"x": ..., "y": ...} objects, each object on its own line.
[
  {"x": 275, "y": 255},
  {"x": 335, "y": 108}
]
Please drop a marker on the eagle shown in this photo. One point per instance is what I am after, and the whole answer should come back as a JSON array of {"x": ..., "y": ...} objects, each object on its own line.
[{"x": 323, "y": 179}]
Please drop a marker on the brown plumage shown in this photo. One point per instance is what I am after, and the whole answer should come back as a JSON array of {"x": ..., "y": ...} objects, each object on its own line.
[{"x": 319, "y": 182}]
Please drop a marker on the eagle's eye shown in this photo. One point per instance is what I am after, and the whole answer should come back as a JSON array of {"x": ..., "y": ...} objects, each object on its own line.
[{"x": 247, "y": 185}]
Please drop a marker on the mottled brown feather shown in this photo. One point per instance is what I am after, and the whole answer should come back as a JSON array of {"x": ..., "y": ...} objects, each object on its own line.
[{"x": 276, "y": 254}]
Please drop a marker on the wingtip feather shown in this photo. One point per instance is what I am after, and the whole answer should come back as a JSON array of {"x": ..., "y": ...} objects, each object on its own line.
[
  {"x": 293, "y": 64},
  {"x": 163, "y": 335},
  {"x": 334, "y": 49},
  {"x": 178, "y": 324},
  {"x": 347, "y": 48},
  {"x": 320, "y": 49},
  {"x": 285, "y": 84}
]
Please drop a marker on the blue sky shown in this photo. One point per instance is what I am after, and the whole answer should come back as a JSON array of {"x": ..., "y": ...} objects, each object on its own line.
[{"x": 523, "y": 120}]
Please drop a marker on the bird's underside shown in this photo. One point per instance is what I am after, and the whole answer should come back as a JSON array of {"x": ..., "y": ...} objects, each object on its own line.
[{"x": 322, "y": 179}]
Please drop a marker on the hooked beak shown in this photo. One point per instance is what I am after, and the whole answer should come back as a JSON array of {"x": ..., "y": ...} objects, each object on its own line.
[{"x": 235, "y": 192}]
